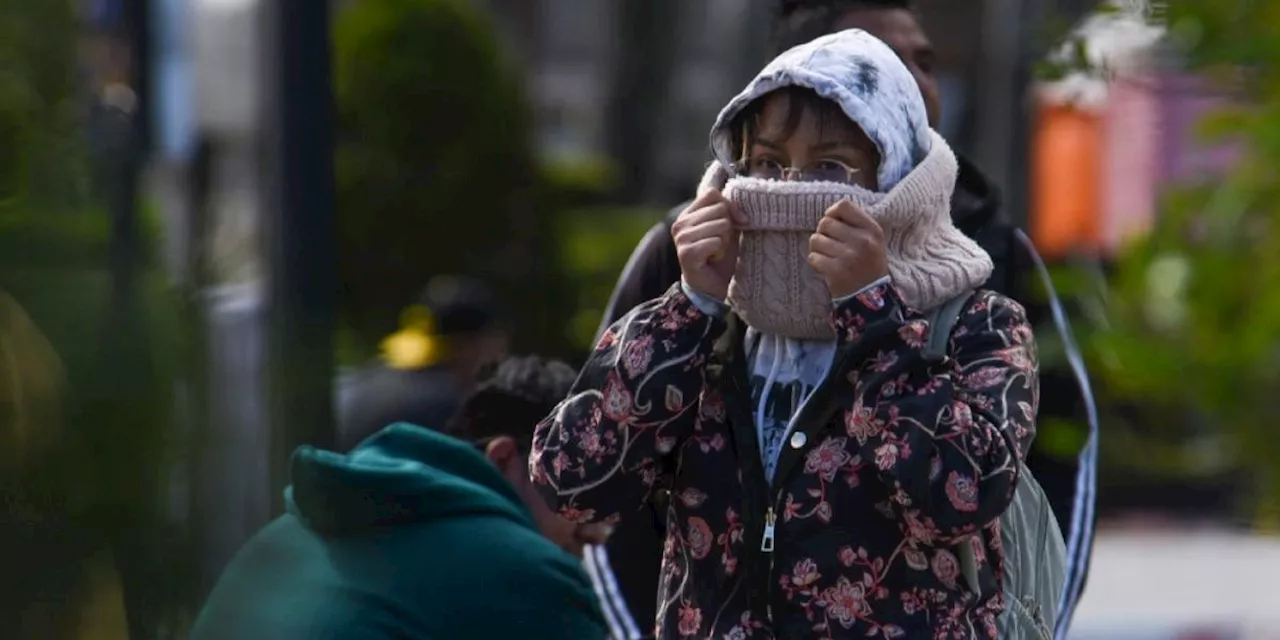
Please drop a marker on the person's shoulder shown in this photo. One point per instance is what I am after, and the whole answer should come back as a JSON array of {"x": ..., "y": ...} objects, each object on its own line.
[{"x": 531, "y": 587}]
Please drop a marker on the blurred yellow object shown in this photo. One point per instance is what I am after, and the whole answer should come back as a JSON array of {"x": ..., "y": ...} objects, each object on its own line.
[
  {"x": 414, "y": 345},
  {"x": 31, "y": 383},
  {"x": 103, "y": 617}
]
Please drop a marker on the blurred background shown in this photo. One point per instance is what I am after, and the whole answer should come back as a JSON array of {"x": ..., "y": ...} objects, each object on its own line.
[{"x": 212, "y": 213}]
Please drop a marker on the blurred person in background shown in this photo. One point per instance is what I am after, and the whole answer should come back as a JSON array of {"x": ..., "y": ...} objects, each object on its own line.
[
  {"x": 975, "y": 209},
  {"x": 416, "y": 534},
  {"x": 828, "y": 477},
  {"x": 500, "y": 417},
  {"x": 426, "y": 367}
]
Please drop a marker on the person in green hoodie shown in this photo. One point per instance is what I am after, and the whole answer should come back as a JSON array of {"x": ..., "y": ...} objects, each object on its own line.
[{"x": 414, "y": 534}]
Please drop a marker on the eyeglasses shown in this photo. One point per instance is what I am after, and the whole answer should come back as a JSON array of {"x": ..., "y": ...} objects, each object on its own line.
[{"x": 820, "y": 171}]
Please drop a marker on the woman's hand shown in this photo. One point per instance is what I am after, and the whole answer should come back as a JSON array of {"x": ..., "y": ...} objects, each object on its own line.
[
  {"x": 848, "y": 250},
  {"x": 707, "y": 238}
]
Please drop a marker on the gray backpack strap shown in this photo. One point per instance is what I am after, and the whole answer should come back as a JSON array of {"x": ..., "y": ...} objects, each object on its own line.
[{"x": 942, "y": 319}]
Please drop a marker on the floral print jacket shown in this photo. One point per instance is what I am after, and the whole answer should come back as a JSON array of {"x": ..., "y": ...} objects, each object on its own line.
[{"x": 892, "y": 463}]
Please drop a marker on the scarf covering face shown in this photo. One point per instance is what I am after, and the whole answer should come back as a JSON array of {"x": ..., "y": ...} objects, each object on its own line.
[{"x": 774, "y": 289}]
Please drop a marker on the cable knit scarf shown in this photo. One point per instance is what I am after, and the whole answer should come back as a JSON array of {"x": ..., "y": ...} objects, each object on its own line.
[{"x": 775, "y": 290}]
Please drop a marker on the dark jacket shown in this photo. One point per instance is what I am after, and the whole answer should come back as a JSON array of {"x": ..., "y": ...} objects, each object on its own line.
[
  {"x": 636, "y": 543},
  {"x": 414, "y": 535},
  {"x": 891, "y": 463}
]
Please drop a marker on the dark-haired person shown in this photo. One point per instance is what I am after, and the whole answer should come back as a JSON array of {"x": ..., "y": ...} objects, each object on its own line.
[
  {"x": 426, "y": 367},
  {"x": 420, "y": 535},
  {"x": 500, "y": 416},
  {"x": 829, "y": 478},
  {"x": 975, "y": 208}
]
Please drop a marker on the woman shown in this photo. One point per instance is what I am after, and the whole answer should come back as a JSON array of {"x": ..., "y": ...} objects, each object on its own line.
[{"x": 822, "y": 472}]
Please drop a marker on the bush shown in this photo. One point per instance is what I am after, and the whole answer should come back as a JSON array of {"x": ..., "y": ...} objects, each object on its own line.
[
  {"x": 595, "y": 244},
  {"x": 435, "y": 165},
  {"x": 38, "y": 110}
]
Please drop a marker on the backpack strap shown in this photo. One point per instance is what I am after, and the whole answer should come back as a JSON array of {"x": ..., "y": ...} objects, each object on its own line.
[{"x": 942, "y": 319}]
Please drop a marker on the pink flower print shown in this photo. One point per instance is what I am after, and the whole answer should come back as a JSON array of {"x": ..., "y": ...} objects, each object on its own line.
[
  {"x": 1016, "y": 357},
  {"x": 886, "y": 455},
  {"x": 945, "y": 567},
  {"x": 616, "y": 400},
  {"x": 915, "y": 333},
  {"x": 872, "y": 298},
  {"x": 860, "y": 422},
  {"x": 883, "y": 361},
  {"x": 578, "y": 515},
  {"x": 846, "y": 602},
  {"x": 1023, "y": 334},
  {"x": 805, "y": 573},
  {"x": 916, "y": 559},
  {"x": 673, "y": 399},
  {"x": 828, "y": 458},
  {"x": 962, "y": 491},
  {"x": 690, "y": 620},
  {"x": 848, "y": 556},
  {"x": 700, "y": 538},
  {"x": 962, "y": 414},
  {"x": 589, "y": 442},
  {"x": 716, "y": 443},
  {"x": 823, "y": 511},
  {"x": 636, "y": 356},
  {"x": 692, "y": 498},
  {"x": 918, "y": 529},
  {"x": 984, "y": 378},
  {"x": 712, "y": 408},
  {"x": 607, "y": 340}
]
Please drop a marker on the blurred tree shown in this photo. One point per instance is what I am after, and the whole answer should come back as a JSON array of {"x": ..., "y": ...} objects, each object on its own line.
[
  {"x": 436, "y": 171},
  {"x": 1192, "y": 329},
  {"x": 38, "y": 110}
]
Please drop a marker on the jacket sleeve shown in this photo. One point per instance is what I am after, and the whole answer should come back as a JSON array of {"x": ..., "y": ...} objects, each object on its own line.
[
  {"x": 649, "y": 272},
  {"x": 945, "y": 439},
  {"x": 635, "y": 400}
]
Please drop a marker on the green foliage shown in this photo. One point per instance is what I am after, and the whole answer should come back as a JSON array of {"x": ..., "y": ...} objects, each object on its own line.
[
  {"x": 595, "y": 245},
  {"x": 38, "y": 112},
  {"x": 1192, "y": 330},
  {"x": 435, "y": 166}
]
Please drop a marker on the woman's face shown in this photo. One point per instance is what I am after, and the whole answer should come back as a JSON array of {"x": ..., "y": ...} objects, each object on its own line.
[{"x": 814, "y": 146}]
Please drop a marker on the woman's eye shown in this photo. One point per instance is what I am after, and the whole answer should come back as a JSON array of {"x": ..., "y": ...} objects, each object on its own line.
[
  {"x": 766, "y": 168},
  {"x": 829, "y": 165}
]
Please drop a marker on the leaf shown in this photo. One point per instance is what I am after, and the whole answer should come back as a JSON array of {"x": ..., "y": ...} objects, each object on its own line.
[{"x": 674, "y": 398}]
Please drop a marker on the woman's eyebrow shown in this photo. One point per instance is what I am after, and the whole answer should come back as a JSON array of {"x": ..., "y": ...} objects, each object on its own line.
[{"x": 767, "y": 143}]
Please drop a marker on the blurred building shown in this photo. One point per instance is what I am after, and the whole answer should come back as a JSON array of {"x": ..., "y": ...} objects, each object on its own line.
[
  {"x": 573, "y": 53},
  {"x": 1107, "y": 144}
]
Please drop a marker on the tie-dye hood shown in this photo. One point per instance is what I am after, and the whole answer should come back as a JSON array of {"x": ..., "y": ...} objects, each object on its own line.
[{"x": 861, "y": 74}]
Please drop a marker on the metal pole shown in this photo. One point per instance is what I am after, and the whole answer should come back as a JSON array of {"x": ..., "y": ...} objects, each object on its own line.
[{"x": 297, "y": 133}]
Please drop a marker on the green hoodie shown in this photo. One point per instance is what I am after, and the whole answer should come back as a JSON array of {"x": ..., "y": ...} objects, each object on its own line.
[{"x": 412, "y": 535}]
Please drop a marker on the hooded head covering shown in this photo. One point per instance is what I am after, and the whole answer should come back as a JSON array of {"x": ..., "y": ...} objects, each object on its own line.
[
  {"x": 865, "y": 78},
  {"x": 774, "y": 289}
]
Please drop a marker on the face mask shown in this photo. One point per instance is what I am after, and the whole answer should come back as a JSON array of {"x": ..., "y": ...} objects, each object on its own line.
[{"x": 773, "y": 289}]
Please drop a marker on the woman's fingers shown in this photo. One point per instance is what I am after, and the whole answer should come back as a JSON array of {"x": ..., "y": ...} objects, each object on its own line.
[
  {"x": 827, "y": 246},
  {"x": 715, "y": 227},
  {"x": 700, "y": 251}
]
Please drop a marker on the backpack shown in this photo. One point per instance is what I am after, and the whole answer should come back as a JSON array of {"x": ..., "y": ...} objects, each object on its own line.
[{"x": 1035, "y": 564}]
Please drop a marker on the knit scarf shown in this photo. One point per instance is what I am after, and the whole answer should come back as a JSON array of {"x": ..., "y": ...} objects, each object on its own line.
[{"x": 774, "y": 290}]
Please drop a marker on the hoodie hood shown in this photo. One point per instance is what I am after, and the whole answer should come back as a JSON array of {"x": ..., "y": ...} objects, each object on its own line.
[
  {"x": 403, "y": 474},
  {"x": 865, "y": 78}
]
